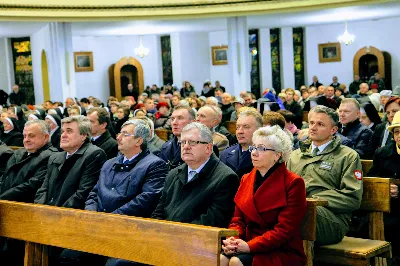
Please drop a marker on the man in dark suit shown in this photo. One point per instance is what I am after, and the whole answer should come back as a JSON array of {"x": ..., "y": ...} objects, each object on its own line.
[
  {"x": 315, "y": 82},
  {"x": 130, "y": 91},
  {"x": 26, "y": 169},
  {"x": 5, "y": 154},
  {"x": 3, "y": 98},
  {"x": 101, "y": 137},
  {"x": 17, "y": 96},
  {"x": 238, "y": 157},
  {"x": 73, "y": 173},
  {"x": 171, "y": 150},
  {"x": 201, "y": 190},
  {"x": 54, "y": 122}
]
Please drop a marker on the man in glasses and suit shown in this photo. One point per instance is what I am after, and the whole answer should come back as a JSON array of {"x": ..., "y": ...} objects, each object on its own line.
[{"x": 201, "y": 190}]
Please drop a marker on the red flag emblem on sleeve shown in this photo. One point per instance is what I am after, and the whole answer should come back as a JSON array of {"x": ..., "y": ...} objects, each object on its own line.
[{"x": 358, "y": 174}]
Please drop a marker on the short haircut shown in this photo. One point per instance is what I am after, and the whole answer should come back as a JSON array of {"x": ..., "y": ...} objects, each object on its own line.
[
  {"x": 84, "y": 100},
  {"x": 289, "y": 116},
  {"x": 149, "y": 122},
  {"x": 147, "y": 100},
  {"x": 48, "y": 101},
  {"x": 218, "y": 89},
  {"x": 141, "y": 130},
  {"x": 177, "y": 96},
  {"x": 213, "y": 99},
  {"x": 44, "y": 126},
  {"x": 289, "y": 90},
  {"x": 277, "y": 138},
  {"x": 217, "y": 111},
  {"x": 254, "y": 113},
  {"x": 351, "y": 100},
  {"x": 84, "y": 125},
  {"x": 102, "y": 114},
  {"x": 76, "y": 108},
  {"x": 273, "y": 118},
  {"x": 321, "y": 109},
  {"x": 205, "y": 132},
  {"x": 192, "y": 114},
  {"x": 97, "y": 103},
  {"x": 246, "y": 95}
]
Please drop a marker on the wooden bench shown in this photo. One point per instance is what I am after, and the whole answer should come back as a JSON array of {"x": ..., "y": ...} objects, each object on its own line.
[
  {"x": 357, "y": 251},
  {"x": 305, "y": 116},
  {"x": 136, "y": 239},
  {"x": 366, "y": 166},
  {"x": 162, "y": 133},
  {"x": 231, "y": 127}
]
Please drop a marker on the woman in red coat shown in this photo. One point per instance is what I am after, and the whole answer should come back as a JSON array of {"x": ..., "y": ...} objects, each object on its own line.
[{"x": 270, "y": 205}]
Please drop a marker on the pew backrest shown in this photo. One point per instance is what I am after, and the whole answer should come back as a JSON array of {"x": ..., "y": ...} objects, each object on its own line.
[
  {"x": 366, "y": 166},
  {"x": 231, "y": 127},
  {"x": 137, "y": 239},
  {"x": 162, "y": 133}
]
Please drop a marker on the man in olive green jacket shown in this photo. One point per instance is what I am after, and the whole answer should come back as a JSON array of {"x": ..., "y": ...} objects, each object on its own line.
[{"x": 332, "y": 172}]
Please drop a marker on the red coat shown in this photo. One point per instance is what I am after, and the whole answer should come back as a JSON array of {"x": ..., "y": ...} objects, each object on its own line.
[{"x": 269, "y": 220}]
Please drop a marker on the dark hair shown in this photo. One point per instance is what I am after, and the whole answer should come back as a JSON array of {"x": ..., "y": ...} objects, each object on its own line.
[
  {"x": 371, "y": 112},
  {"x": 289, "y": 116},
  {"x": 102, "y": 114},
  {"x": 84, "y": 100}
]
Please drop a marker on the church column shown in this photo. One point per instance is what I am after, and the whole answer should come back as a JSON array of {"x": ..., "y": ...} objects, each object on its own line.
[
  {"x": 287, "y": 57},
  {"x": 238, "y": 54}
]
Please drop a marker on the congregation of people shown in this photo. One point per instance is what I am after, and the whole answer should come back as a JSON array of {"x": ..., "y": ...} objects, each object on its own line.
[{"x": 288, "y": 146}]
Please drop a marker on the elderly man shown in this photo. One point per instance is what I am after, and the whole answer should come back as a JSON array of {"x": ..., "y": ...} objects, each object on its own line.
[
  {"x": 226, "y": 107},
  {"x": 315, "y": 82},
  {"x": 238, "y": 157},
  {"x": 331, "y": 171},
  {"x": 332, "y": 100},
  {"x": 364, "y": 90},
  {"x": 209, "y": 116},
  {"x": 72, "y": 174},
  {"x": 355, "y": 85},
  {"x": 212, "y": 101},
  {"x": 360, "y": 135},
  {"x": 171, "y": 150},
  {"x": 130, "y": 91},
  {"x": 201, "y": 190},
  {"x": 69, "y": 102},
  {"x": 335, "y": 82},
  {"x": 101, "y": 137},
  {"x": 154, "y": 143},
  {"x": 27, "y": 167},
  {"x": 17, "y": 96}
]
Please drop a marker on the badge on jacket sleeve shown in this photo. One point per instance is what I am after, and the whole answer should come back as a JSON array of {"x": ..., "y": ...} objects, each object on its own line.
[{"x": 358, "y": 174}]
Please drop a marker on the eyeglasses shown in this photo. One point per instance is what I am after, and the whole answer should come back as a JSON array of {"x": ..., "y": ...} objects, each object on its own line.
[
  {"x": 259, "y": 148},
  {"x": 191, "y": 142},
  {"x": 396, "y": 132},
  {"x": 124, "y": 135}
]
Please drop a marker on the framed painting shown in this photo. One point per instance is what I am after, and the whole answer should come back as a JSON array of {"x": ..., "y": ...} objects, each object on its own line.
[
  {"x": 329, "y": 52},
  {"x": 83, "y": 61},
  {"x": 219, "y": 55}
]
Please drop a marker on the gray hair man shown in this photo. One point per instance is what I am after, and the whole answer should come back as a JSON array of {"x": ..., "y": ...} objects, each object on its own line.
[
  {"x": 331, "y": 171},
  {"x": 72, "y": 174},
  {"x": 26, "y": 169},
  {"x": 155, "y": 143},
  {"x": 201, "y": 190}
]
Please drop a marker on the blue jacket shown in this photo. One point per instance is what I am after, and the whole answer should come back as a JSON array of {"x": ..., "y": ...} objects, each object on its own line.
[
  {"x": 240, "y": 162},
  {"x": 133, "y": 189}
]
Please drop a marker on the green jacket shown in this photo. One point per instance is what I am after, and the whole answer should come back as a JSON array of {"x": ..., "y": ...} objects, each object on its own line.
[{"x": 334, "y": 175}]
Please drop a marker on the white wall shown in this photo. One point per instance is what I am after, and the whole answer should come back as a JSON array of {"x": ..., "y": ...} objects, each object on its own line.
[
  {"x": 107, "y": 51},
  {"x": 6, "y": 66},
  {"x": 222, "y": 73},
  {"x": 383, "y": 34},
  {"x": 41, "y": 40},
  {"x": 191, "y": 58}
]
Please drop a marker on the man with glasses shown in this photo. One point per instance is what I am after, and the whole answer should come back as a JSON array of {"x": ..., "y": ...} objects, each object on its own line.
[
  {"x": 238, "y": 157},
  {"x": 201, "y": 190},
  {"x": 129, "y": 184},
  {"x": 331, "y": 171}
]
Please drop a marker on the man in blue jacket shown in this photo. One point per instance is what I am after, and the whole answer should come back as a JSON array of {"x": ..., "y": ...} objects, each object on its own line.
[{"x": 129, "y": 184}]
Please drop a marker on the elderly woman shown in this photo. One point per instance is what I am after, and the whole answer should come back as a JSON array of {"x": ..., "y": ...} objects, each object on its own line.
[
  {"x": 11, "y": 135},
  {"x": 270, "y": 205}
]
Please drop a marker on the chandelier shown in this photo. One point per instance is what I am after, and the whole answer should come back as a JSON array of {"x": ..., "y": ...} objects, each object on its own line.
[
  {"x": 141, "y": 50},
  {"x": 346, "y": 37}
]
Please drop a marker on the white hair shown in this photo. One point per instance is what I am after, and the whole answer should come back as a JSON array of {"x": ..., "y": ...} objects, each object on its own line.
[
  {"x": 213, "y": 99},
  {"x": 277, "y": 138}
]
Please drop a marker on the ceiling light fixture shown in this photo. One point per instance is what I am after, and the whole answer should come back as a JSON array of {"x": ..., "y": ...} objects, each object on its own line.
[
  {"x": 141, "y": 50},
  {"x": 346, "y": 37}
]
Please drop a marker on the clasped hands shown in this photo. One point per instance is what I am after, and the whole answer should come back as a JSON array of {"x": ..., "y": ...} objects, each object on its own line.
[{"x": 233, "y": 245}]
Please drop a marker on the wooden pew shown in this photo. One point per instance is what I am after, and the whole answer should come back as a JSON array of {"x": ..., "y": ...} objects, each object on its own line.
[
  {"x": 14, "y": 148},
  {"x": 231, "y": 127},
  {"x": 357, "y": 251},
  {"x": 137, "y": 239},
  {"x": 366, "y": 166},
  {"x": 305, "y": 116},
  {"x": 308, "y": 227},
  {"x": 162, "y": 133}
]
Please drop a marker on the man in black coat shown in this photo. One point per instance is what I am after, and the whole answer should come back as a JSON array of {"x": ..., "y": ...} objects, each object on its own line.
[
  {"x": 3, "y": 98},
  {"x": 292, "y": 106},
  {"x": 5, "y": 154},
  {"x": 315, "y": 82},
  {"x": 360, "y": 135},
  {"x": 101, "y": 137},
  {"x": 73, "y": 173},
  {"x": 130, "y": 91},
  {"x": 27, "y": 168},
  {"x": 201, "y": 190},
  {"x": 54, "y": 122},
  {"x": 17, "y": 96}
]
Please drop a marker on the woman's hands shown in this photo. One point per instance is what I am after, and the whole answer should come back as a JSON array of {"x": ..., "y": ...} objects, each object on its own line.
[{"x": 232, "y": 246}]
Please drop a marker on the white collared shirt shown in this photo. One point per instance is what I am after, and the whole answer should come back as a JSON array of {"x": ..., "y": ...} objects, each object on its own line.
[
  {"x": 195, "y": 171},
  {"x": 70, "y": 154},
  {"x": 320, "y": 148},
  {"x": 96, "y": 137}
]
